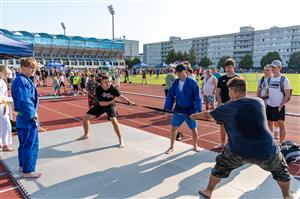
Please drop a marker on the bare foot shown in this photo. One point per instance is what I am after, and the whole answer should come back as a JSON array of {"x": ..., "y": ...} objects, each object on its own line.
[
  {"x": 205, "y": 193},
  {"x": 83, "y": 137},
  {"x": 32, "y": 175},
  {"x": 7, "y": 148},
  {"x": 121, "y": 145},
  {"x": 197, "y": 149},
  {"x": 170, "y": 150},
  {"x": 220, "y": 146}
]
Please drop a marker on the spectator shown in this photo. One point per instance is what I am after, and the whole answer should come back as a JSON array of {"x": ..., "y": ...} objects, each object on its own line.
[
  {"x": 5, "y": 125},
  {"x": 223, "y": 94},
  {"x": 170, "y": 78},
  {"x": 279, "y": 95},
  {"x": 209, "y": 87},
  {"x": 263, "y": 92}
]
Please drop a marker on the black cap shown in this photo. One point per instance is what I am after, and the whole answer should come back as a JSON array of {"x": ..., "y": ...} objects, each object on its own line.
[{"x": 180, "y": 68}]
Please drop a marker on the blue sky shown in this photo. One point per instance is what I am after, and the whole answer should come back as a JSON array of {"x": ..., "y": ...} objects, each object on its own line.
[{"x": 147, "y": 20}]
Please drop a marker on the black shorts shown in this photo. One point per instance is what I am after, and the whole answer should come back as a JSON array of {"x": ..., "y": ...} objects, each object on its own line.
[
  {"x": 228, "y": 161},
  {"x": 111, "y": 111},
  {"x": 9, "y": 80},
  {"x": 62, "y": 84},
  {"x": 274, "y": 115},
  {"x": 75, "y": 87}
]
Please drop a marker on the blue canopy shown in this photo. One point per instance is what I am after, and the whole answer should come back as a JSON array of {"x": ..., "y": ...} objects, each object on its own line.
[
  {"x": 162, "y": 65},
  {"x": 59, "y": 66},
  {"x": 140, "y": 65},
  {"x": 10, "y": 48}
]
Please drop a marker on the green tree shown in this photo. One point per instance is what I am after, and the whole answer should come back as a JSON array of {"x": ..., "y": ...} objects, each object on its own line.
[
  {"x": 171, "y": 57},
  {"x": 192, "y": 56},
  {"x": 185, "y": 56},
  {"x": 222, "y": 61},
  {"x": 131, "y": 62},
  {"x": 294, "y": 61},
  {"x": 205, "y": 62},
  {"x": 180, "y": 56},
  {"x": 246, "y": 62},
  {"x": 269, "y": 57},
  {"x": 128, "y": 62}
]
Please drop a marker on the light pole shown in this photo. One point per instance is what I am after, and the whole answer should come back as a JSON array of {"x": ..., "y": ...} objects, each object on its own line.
[
  {"x": 63, "y": 27},
  {"x": 112, "y": 12}
]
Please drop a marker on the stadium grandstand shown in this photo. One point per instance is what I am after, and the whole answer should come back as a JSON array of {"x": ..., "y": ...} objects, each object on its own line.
[{"x": 72, "y": 51}]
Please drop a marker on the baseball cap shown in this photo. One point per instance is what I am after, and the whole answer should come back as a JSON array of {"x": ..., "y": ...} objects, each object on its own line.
[
  {"x": 276, "y": 63},
  {"x": 179, "y": 68}
]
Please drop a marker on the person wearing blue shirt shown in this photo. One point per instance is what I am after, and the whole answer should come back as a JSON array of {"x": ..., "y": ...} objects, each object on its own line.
[
  {"x": 249, "y": 139},
  {"x": 185, "y": 93},
  {"x": 25, "y": 98}
]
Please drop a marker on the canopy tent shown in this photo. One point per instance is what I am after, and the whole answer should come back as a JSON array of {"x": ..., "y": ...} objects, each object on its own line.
[
  {"x": 162, "y": 65},
  {"x": 10, "y": 48},
  {"x": 140, "y": 65},
  {"x": 59, "y": 66}
]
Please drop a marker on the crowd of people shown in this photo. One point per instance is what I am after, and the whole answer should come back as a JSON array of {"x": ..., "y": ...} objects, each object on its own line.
[{"x": 247, "y": 122}]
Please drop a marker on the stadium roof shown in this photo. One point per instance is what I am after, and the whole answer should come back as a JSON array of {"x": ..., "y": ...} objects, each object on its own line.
[{"x": 63, "y": 40}]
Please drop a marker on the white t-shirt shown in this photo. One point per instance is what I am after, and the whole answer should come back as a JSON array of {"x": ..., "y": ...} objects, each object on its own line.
[
  {"x": 208, "y": 86},
  {"x": 180, "y": 84},
  {"x": 275, "y": 94},
  {"x": 61, "y": 78}
]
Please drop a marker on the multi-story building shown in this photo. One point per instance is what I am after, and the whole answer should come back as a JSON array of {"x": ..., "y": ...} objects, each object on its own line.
[
  {"x": 72, "y": 51},
  {"x": 152, "y": 53},
  {"x": 283, "y": 40},
  {"x": 247, "y": 41},
  {"x": 131, "y": 49}
]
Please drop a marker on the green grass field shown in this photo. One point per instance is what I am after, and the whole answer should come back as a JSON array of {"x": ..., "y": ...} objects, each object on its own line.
[{"x": 251, "y": 78}]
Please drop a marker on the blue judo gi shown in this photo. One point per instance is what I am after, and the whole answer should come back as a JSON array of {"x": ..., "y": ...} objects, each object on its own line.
[
  {"x": 187, "y": 102},
  {"x": 25, "y": 98}
]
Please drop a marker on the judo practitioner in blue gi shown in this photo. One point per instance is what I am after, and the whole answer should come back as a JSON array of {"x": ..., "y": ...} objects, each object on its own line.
[
  {"x": 25, "y": 98},
  {"x": 185, "y": 92}
]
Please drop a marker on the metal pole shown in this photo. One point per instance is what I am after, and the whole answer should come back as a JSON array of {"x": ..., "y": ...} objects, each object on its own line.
[{"x": 113, "y": 28}]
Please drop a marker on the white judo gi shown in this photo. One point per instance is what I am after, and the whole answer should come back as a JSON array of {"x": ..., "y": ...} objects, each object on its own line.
[{"x": 5, "y": 126}]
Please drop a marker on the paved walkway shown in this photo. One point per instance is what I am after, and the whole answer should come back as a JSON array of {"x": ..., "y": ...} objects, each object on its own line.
[{"x": 96, "y": 168}]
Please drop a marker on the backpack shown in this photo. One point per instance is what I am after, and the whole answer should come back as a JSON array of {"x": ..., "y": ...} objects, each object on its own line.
[
  {"x": 290, "y": 151},
  {"x": 282, "y": 79},
  {"x": 261, "y": 82}
]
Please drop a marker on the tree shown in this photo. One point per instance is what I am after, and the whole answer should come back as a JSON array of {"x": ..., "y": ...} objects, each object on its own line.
[
  {"x": 128, "y": 62},
  {"x": 192, "y": 56},
  {"x": 185, "y": 57},
  {"x": 222, "y": 61},
  {"x": 136, "y": 60},
  {"x": 171, "y": 57},
  {"x": 269, "y": 57},
  {"x": 180, "y": 56},
  {"x": 246, "y": 62},
  {"x": 131, "y": 62},
  {"x": 294, "y": 61},
  {"x": 205, "y": 62}
]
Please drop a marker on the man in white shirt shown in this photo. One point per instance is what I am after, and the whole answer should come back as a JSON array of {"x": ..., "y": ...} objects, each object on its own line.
[
  {"x": 209, "y": 87},
  {"x": 279, "y": 95}
]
